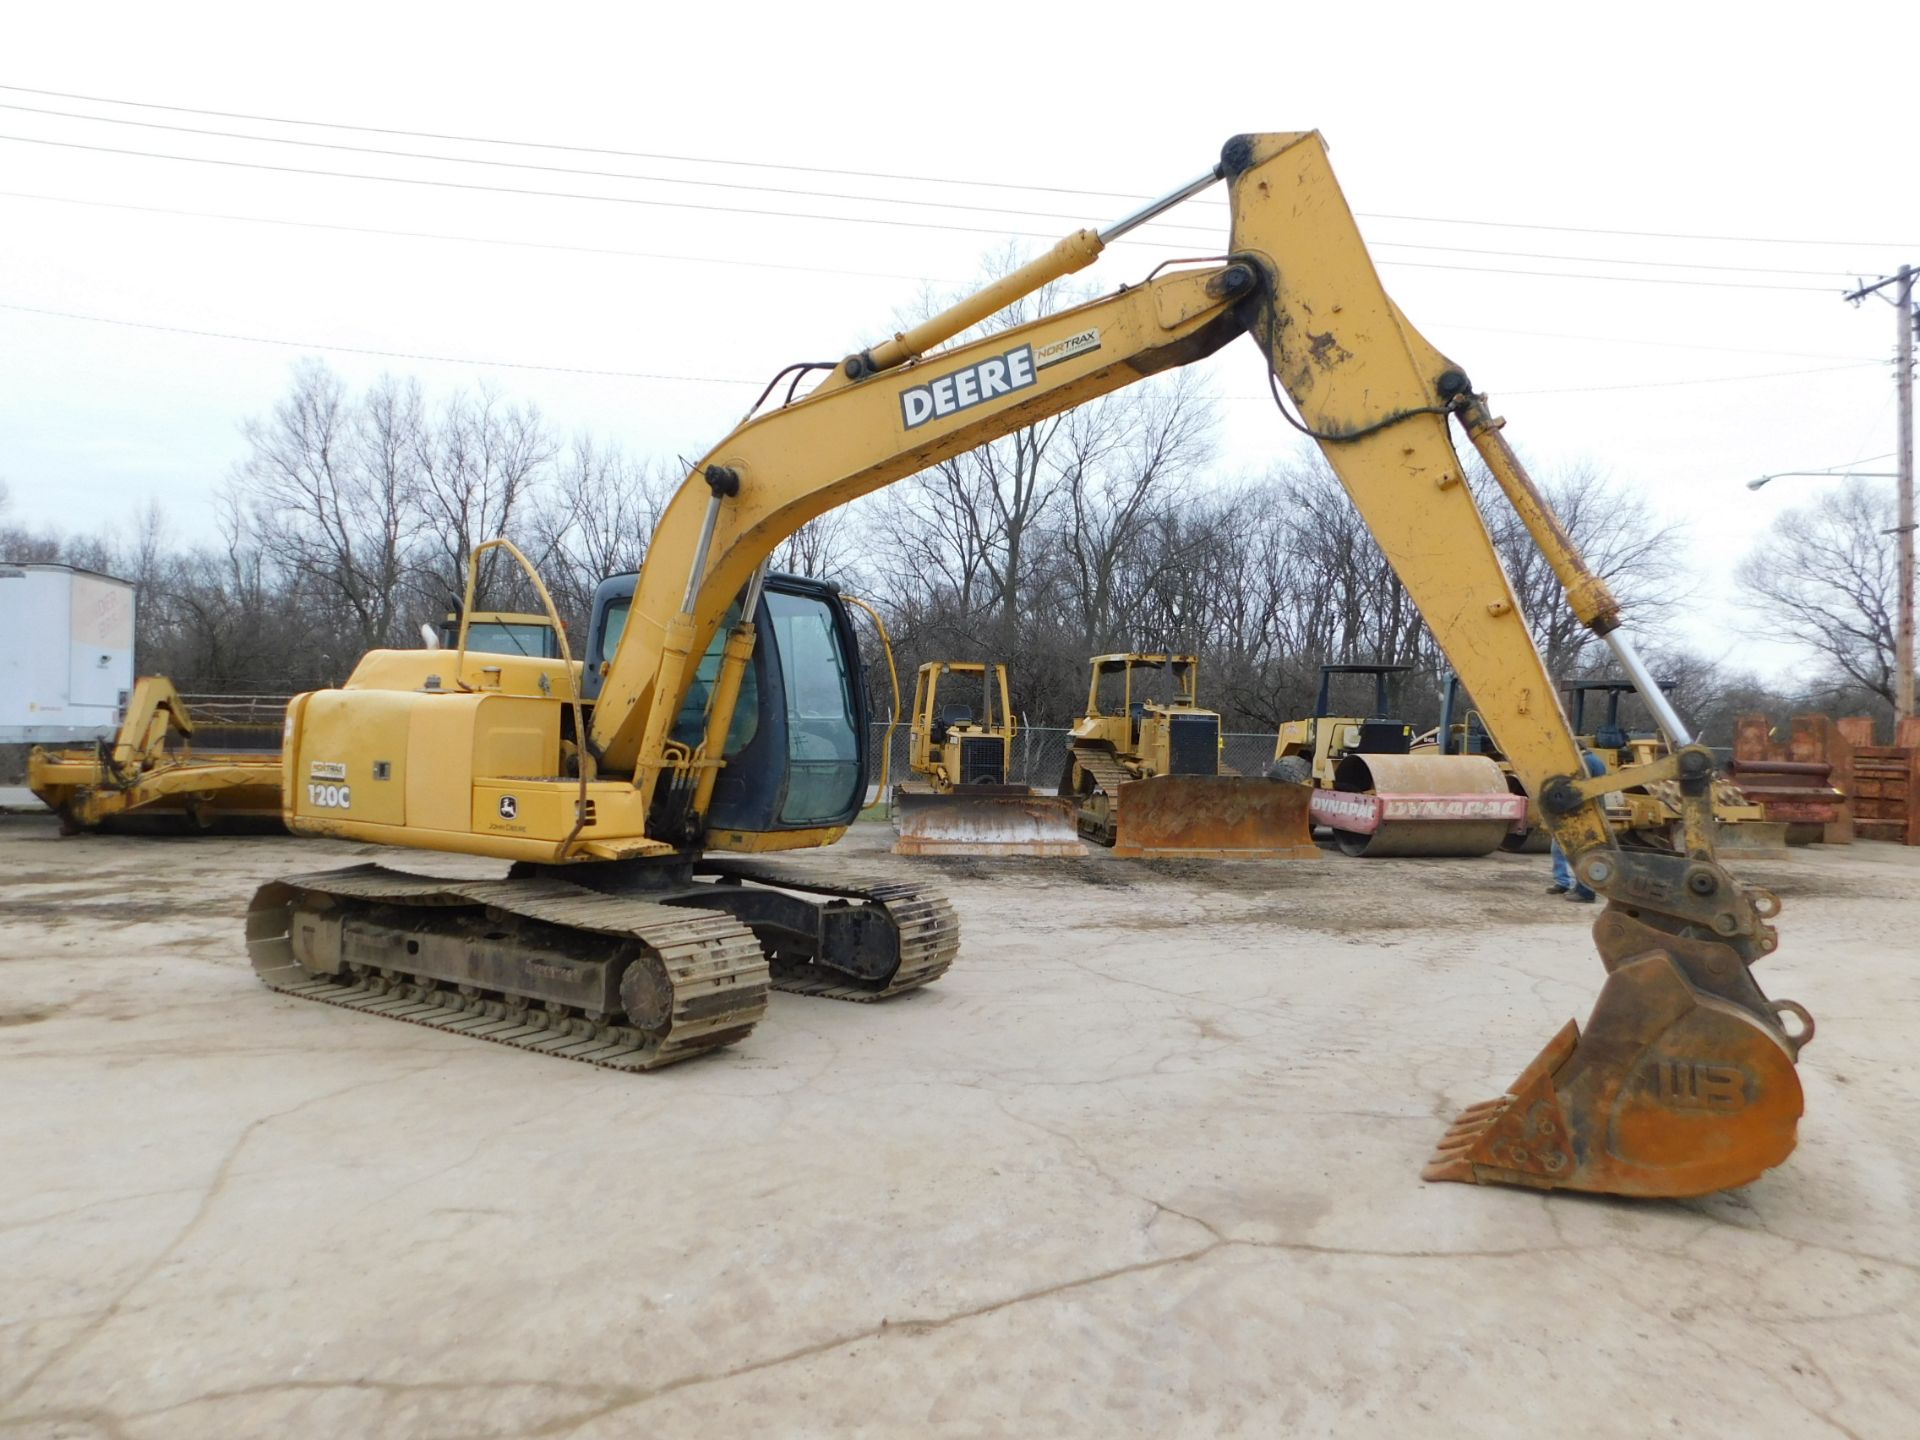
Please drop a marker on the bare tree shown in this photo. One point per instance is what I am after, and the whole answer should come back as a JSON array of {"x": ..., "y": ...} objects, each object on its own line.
[
  {"x": 825, "y": 547},
  {"x": 1827, "y": 576},
  {"x": 20, "y": 544},
  {"x": 332, "y": 489},
  {"x": 476, "y": 468},
  {"x": 1622, "y": 540},
  {"x": 594, "y": 519},
  {"x": 1125, "y": 463}
]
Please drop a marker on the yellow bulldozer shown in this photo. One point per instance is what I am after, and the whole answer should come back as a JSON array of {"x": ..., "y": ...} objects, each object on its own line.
[
  {"x": 1145, "y": 776},
  {"x": 1651, "y": 812},
  {"x": 1375, "y": 796},
  {"x": 728, "y": 717},
  {"x": 961, "y": 752}
]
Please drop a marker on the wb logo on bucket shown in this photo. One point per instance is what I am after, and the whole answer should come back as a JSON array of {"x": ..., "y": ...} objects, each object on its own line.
[{"x": 509, "y": 807}]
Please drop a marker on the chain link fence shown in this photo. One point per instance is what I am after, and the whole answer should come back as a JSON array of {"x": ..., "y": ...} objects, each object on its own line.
[{"x": 1040, "y": 754}]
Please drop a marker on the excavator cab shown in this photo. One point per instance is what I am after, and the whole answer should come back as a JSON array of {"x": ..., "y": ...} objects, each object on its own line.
[
  {"x": 797, "y": 750},
  {"x": 1375, "y": 796},
  {"x": 501, "y": 632}
]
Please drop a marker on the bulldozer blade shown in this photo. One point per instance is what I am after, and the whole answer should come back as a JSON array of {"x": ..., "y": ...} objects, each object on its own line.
[
  {"x": 1213, "y": 817},
  {"x": 1669, "y": 1091},
  {"x": 1006, "y": 823}
]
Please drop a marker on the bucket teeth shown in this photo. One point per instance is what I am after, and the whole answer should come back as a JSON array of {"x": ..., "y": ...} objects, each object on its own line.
[{"x": 1521, "y": 1138}]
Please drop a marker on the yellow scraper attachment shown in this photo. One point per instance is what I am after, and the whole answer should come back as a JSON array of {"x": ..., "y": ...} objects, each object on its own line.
[
  {"x": 1670, "y": 1090},
  {"x": 1219, "y": 817},
  {"x": 997, "y": 821}
]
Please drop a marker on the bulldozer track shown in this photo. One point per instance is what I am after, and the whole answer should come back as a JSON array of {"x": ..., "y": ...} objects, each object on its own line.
[
  {"x": 929, "y": 930},
  {"x": 1108, "y": 775},
  {"x": 713, "y": 964}
]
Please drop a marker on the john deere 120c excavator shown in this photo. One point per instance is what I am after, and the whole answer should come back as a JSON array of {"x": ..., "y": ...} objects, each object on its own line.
[
  {"x": 1143, "y": 769},
  {"x": 727, "y": 719},
  {"x": 959, "y": 801}
]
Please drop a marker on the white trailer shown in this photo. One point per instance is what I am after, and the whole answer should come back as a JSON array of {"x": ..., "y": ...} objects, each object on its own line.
[{"x": 66, "y": 653}]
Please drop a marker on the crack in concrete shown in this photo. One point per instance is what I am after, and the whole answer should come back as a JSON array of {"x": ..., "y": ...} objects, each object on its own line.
[
  {"x": 222, "y": 1173},
  {"x": 80, "y": 1209}
]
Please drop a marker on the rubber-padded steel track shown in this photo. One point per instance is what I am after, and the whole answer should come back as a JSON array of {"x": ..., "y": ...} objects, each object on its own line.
[
  {"x": 929, "y": 931},
  {"x": 713, "y": 964}
]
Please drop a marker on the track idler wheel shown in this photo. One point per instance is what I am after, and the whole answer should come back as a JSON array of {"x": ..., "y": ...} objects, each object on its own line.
[{"x": 1669, "y": 1091}]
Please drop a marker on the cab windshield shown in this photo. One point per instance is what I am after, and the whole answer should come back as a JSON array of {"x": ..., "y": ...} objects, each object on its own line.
[{"x": 823, "y": 750}]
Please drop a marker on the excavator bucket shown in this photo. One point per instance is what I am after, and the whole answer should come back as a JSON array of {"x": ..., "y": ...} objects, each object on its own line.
[
  {"x": 1419, "y": 805},
  {"x": 1007, "y": 820},
  {"x": 1670, "y": 1090},
  {"x": 1218, "y": 817}
]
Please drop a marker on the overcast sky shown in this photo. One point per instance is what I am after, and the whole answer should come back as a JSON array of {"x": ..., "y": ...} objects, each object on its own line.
[{"x": 1478, "y": 144}]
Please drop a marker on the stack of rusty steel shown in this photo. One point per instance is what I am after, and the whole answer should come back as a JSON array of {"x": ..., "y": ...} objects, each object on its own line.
[
  {"x": 1804, "y": 780},
  {"x": 1886, "y": 797}
]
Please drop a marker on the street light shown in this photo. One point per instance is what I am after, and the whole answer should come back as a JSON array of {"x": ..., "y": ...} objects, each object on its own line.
[{"x": 1826, "y": 475}]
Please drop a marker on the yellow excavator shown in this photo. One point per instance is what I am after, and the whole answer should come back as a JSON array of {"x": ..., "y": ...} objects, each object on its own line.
[
  {"x": 959, "y": 801},
  {"x": 1376, "y": 796},
  {"x": 1144, "y": 773},
  {"x": 719, "y": 711}
]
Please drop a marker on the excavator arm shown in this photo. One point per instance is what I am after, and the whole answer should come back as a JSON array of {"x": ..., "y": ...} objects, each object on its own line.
[{"x": 1684, "y": 1080}]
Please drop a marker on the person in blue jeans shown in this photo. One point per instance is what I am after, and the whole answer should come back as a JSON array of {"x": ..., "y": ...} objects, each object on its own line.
[{"x": 1564, "y": 881}]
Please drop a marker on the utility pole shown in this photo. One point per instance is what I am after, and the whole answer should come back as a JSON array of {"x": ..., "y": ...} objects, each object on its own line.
[{"x": 1902, "y": 281}]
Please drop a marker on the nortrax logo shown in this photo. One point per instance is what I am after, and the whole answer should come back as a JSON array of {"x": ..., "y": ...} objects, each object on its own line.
[{"x": 981, "y": 381}]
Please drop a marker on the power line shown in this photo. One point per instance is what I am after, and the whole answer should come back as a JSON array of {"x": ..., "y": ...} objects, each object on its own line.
[
  {"x": 1640, "y": 341},
  {"x": 837, "y": 219},
  {"x": 1624, "y": 279},
  {"x": 1633, "y": 340},
  {"x": 1702, "y": 380},
  {"x": 1652, "y": 384},
  {"x": 468, "y": 239},
  {"x": 724, "y": 380},
  {"x": 561, "y": 169},
  {"x": 1641, "y": 234},
  {"x": 1052, "y": 215},
  {"x": 556, "y": 194},
  {"x": 384, "y": 354},
  {"x": 1603, "y": 259},
  {"x": 584, "y": 149},
  {"x": 920, "y": 179}
]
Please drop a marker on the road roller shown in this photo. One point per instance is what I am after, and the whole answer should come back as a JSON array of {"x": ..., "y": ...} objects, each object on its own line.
[{"x": 1375, "y": 796}]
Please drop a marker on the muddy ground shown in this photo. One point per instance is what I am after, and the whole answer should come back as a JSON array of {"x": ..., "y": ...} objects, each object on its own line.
[{"x": 1145, "y": 1162}]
